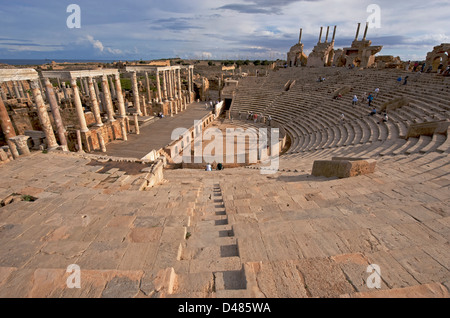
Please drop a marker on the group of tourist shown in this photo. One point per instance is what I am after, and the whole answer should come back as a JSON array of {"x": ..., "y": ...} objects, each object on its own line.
[
  {"x": 211, "y": 104},
  {"x": 218, "y": 168},
  {"x": 254, "y": 116}
]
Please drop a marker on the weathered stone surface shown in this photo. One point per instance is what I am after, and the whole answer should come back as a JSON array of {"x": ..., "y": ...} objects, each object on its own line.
[{"x": 343, "y": 168}]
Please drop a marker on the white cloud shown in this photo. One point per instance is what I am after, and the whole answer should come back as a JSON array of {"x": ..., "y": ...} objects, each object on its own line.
[{"x": 96, "y": 44}]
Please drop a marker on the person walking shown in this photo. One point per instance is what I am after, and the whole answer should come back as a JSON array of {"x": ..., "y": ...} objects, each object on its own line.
[
  {"x": 370, "y": 99},
  {"x": 377, "y": 91},
  {"x": 406, "y": 80}
]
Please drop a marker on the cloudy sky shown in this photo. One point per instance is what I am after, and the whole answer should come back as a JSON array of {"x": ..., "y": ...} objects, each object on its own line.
[{"x": 213, "y": 29}]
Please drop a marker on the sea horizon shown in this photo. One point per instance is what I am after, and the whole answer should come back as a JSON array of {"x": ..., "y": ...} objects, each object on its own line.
[{"x": 47, "y": 61}]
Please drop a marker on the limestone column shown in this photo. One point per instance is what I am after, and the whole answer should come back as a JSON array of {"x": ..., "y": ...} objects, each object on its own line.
[
  {"x": 113, "y": 90},
  {"x": 300, "y": 37},
  {"x": 158, "y": 86},
  {"x": 189, "y": 84},
  {"x": 124, "y": 130},
  {"x": 78, "y": 106},
  {"x": 86, "y": 87},
  {"x": 16, "y": 90},
  {"x": 101, "y": 141},
  {"x": 165, "y": 86},
  {"x": 328, "y": 31},
  {"x": 43, "y": 116},
  {"x": 147, "y": 83},
  {"x": 122, "y": 111},
  {"x": 365, "y": 31},
  {"x": 5, "y": 121},
  {"x": 108, "y": 100},
  {"x": 357, "y": 31},
  {"x": 9, "y": 91},
  {"x": 2, "y": 94},
  {"x": 56, "y": 114},
  {"x": 320, "y": 35},
  {"x": 94, "y": 103},
  {"x": 179, "y": 84},
  {"x": 136, "y": 123},
  {"x": 144, "y": 106},
  {"x": 136, "y": 93},
  {"x": 97, "y": 93},
  {"x": 79, "y": 142},
  {"x": 334, "y": 34}
]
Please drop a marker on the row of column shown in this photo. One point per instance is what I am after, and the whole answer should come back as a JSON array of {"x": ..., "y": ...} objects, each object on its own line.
[
  {"x": 92, "y": 92},
  {"x": 18, "y": 144}
]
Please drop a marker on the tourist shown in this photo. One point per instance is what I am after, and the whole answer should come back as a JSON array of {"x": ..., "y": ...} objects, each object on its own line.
[
  {"x": 208, "y": 167},
  {"x": 206, "y": 105},
  {"x": 429, "y": 69},
  {"x": 406, "y": 80},
  {"x": 269, "y": 119},
  {"x": 377, "y": 90},
  {"x": 407, "y": 66},
  {"x": 373, "y": 112},
  {"x": 219, "y": 166},
  {"x": 439, "y": 70},
  {"x": 255, "y": 118},
  {"x": 423, "y": 67},
  {"x": 355, "y": 100},
  {"x": 385, "y": 117},
  {"x": 342, "y": 117},
  {"x": 399, "y": 80},
  {"x": 370, "y": 99}
]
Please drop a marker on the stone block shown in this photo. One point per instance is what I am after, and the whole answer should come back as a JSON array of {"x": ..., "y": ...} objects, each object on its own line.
[{"x": 343, "y": 168}]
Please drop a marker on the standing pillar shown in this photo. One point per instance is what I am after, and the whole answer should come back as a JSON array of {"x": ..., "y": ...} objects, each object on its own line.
[
  {"x": 189, "y": 84},
  {"x": 357, "y": 31},
  {"x": 94, "y": 103},
  {"x": 9, "y": 91},
  {"x": 136, "y": 93},
  {"x": 365, "y": 31},
  {"x": 122, "y": 111},
  {"x": 144, "y": 106},
  {"x": 320, "y": 35},
  {"x": 86, "y": 87},
  {"x": 108, "y": 100},
  {"x": 136, "y": 124},
  {"x": 79, "y": 142},
  {"x": 99, "y": 98},
  {"x": 164, "y": 86},
  {"x": 328, "y": 31},
  {"x": 3, "y": 94},
  {"x": 158, "y": 86},
  {"x": 124, "y": 129},
  {"x": 43, "y": 116},
  {"x": 147, "y": 83},
  {"x": 101, "y": 141},
  {"x": 16, "y": 89},
  {"x": 5, "y": 121},
  {"x": 334, "y": 34},
  {"x": 78, "y": 106},
  {"x": 56, "y": 114},
  {"x": 179, "y": 84},
  {"x": 113, "y": 90}
]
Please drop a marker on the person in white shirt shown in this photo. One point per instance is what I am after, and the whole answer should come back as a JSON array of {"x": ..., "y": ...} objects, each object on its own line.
[{"x": 355, "y": 100}]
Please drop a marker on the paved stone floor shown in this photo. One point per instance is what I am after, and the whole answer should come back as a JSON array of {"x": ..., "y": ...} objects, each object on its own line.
[
  {"x": 233, "y": 233},
  {"x": 157, "y": 134}
]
